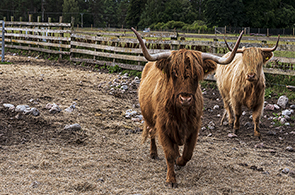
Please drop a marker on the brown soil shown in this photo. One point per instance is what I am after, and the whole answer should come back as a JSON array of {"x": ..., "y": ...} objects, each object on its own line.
[{"x": 37, "y": 156}]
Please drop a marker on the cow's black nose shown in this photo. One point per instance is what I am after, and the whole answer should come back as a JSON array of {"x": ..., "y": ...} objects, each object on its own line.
[
  {"x": 251, "y": 76},
  {"x": 185, "y": 100}
]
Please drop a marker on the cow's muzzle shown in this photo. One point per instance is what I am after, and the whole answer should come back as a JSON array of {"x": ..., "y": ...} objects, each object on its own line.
[
  {"x": 251, "y": 77},
  {"x": 185, "y": 99}
]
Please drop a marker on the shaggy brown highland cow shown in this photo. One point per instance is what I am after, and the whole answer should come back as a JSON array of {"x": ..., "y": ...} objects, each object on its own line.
[
  {"x": 242, "y": 83},
  {"x": 171, "y": 101}
]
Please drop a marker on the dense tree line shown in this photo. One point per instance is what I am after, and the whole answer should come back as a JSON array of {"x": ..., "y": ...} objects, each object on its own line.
[{"x": 156, "y": 13}]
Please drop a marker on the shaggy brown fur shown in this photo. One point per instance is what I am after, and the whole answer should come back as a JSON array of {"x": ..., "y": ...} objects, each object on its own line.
[
  {"x": 171, "y": 103},
  {"x": 242, "y": 83}
]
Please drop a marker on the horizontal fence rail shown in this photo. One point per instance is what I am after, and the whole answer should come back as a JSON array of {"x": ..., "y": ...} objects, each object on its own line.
[{"x": 121, "y": 48}]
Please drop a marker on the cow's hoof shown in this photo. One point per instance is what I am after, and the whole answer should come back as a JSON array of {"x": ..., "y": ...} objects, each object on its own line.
[
  {"x": 177, "y": 167},
  {"x": 257, "y": 134},
  {"x": 171, "y": 185},
  {"x": 154, "y": 156}
]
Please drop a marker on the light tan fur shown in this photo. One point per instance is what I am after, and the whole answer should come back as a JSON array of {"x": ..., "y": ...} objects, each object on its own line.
[{"x": 237, "y": 91}]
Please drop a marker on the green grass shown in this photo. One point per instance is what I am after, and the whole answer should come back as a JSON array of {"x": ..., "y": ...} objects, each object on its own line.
[{"x": 287, "y": 54}]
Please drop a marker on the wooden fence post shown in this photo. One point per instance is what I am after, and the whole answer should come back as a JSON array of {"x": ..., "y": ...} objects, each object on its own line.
[
  {"x": 49, "y": 34},
  {"x": 4, "y": 19},
  {"x": 267, "y": 32},
  {"x": 61, "y": 35},
  {"x": 11, "y": 18},
  {"x": 30, "y": 17},
  {"x": 72, "y": 29}
]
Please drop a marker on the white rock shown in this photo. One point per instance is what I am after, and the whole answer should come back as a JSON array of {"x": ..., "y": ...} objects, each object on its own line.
[
  {"x": 21, "y": 108},
  {"x": 74, "y": 127},
  {"x": 283, "y": 101},
  {"x": 286, "y": 112},
  {"x": 276, "y": 106},
  {"x": 9, "y": 106},
  {"x": 216, "y": 107}
]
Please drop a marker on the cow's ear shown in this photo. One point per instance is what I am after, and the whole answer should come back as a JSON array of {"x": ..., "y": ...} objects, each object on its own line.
[
  {"x": 209, "y": 66},
  {"x": 266, "y": 56},
  {"x": 163, "y": 65}
]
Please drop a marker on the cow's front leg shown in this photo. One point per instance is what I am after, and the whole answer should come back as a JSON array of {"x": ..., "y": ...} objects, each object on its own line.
[
  {"x": 170, "y": 154},
  {"x": 188, "y": 149},
  {"x": 237, "y": 109},
  {"x": 256, "y": 117}
]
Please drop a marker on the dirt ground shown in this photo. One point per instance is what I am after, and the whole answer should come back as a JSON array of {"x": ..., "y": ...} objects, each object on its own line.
[{"x": 38, "y": 156}]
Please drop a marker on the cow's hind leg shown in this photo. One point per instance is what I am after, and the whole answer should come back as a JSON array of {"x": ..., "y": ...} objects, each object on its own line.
[
  {"x": 188, "y": 150},
  {"x": 153, "y": 149}
]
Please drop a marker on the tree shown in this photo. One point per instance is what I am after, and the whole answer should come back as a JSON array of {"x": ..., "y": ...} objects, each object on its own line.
[
  {"x": 134, "y": 11},
  {"x": 70, "y": 8},
  {"x": 224, "y": 13},
  {"x": 96, "y": 8}
]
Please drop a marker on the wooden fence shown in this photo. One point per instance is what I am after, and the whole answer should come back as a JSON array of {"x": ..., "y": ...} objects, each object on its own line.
[
  {"x": 122, "y": 48},
  {"x": 2, "y": 42}
]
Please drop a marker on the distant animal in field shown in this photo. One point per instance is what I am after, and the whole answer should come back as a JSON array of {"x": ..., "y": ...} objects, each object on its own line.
[
  {"x": 242, "y": 83},
  {"x": 171, "y": 101}
]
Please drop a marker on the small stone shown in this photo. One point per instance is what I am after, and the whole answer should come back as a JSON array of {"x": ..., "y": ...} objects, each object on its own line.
[
  {"x": 286, "y": 112},
  {"x": 48, "y": 106},
  {"x": 225, "y": 123},
  {"x": 203, "y": 128},
  {"x": 292, "y": 174},
  {"x": 135, "y": 119},
  {"x": 260, "y": 145},
  {"x": 287, "y": 124},
  {"x": 277, "y": 107},
  {"x": 290, "y": 149},
  {"x": 124, "y": 87},
  {"x": 271, "y": 133},
  {"x": 218, "y": 115},
  {"x": 9, "y": 106},
  {"x": 74, "y": 127},
  {"x": 54, "y": 109},
  {"x": 283, "y": 101},
  {"x": 292, "y": 106},
  {"x": 209, "y": 135},
  {"x": 244, "y": 113},
  {"x": 21, "y": 108},
  {"x": 216, "y": 107},
  {"x": 35, "y": 111},
  {"x": 286, "y": 170},
  {"x": 283, "y": 120},
  {"x": 232, "y": 135},
  {"x": 249, "y": 125},
  {"x": 211, "y": 127},
  {"x": 35, "y": 184},
  {"x": 269, "y": 107}
]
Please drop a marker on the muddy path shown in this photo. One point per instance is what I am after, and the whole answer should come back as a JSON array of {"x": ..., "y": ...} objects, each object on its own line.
[{"x": 38, "y": 156}]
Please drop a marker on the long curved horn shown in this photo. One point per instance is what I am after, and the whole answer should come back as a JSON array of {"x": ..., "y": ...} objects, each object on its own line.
[
  {"x": 230, "y": 49},
  {"x": 147, "y": 55},
  {"x": 221, "y": 60},
  {"x": 263, "y": 49},
  {"x": 271, "y": 49}
]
